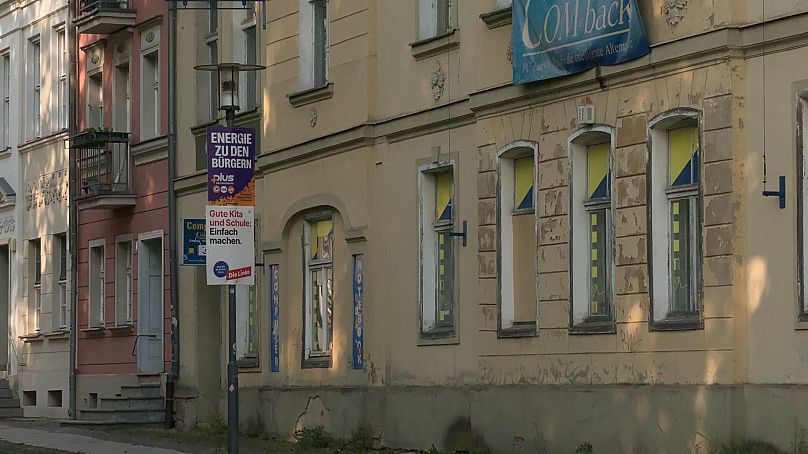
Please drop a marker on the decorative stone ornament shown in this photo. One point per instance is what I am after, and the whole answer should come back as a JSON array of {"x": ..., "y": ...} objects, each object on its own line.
[
  {"x": 674, "y": 11},
  {"x": 95, "y": 59},
  {"x": 7, "y": 225},
  {"x": 313, "y": 117},
  {"x": 438, "y": 82},
  {"x": 509, "y": 52},
  {"x": 46, "y": 190},
  {"x": 149, "y": 37}
]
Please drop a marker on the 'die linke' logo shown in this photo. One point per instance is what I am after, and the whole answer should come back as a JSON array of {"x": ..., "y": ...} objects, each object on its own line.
[{"x": 571, "y": 21}]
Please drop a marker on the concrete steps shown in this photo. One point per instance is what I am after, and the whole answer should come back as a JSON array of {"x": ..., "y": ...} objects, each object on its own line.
[
  {"x": 9, "y": 405},
  {"x": 136, "y": 404}
]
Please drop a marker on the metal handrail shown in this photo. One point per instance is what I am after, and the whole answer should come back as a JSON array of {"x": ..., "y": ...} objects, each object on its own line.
[{"x": 90, "y": 6}]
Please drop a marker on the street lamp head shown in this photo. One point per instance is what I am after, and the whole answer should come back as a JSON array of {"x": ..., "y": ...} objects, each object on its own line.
[{"x": 228, "y": 82}]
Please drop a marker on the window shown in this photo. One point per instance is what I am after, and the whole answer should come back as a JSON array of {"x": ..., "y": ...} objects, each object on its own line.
[
  {"x": 213, "y": 81},
  {"x": 437, "y": 252},
  {"x": 247, "y": 322},
  {"x": 313, "y": 43},
  {"x": 516, "y": 261},
  {"x": 61, "y": 68},
  {"x": 5, "y": 79},
  {"x": 249, "y": 86},
  {"x": 95, "y": 100},
  {"x": 123, "y": 283},
  {"x": 61, "y": 318},
  {"x": 36, "y": 269},
  {"x": 150, "y": 96},
  {"x": 36, "y": 90},
  {"x": 97, "y": 286},
  {"x": 122, "y": 98},
  {"x": 591, "y": 260},
  {"x": 504, "y": 3},
  {"x": 675, "y": 254},
  {"x": 318, "y": 240},
  {"x": 435, "y": 18}
]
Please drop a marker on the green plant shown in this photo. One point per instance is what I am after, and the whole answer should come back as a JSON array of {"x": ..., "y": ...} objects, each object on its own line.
[
  {"x": 800, "y": 444},
  {"x": 584, "y": 448},
  {"x": 215, "y": 430},
  {"x": 313, "y": 438},
  {"x": 361, "y": 440},
  {"x": 745, "y": 447}
]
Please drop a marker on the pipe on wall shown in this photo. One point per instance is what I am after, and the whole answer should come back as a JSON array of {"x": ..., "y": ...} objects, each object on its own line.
[
  {"x": 72, "y": 122},
  {"x": 172, "y": 215}
]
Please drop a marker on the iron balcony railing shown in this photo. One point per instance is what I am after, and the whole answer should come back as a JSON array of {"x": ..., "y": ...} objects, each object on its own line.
[
  {"x": 103, "y": 163},
  {"x": 93, "y": 6}
]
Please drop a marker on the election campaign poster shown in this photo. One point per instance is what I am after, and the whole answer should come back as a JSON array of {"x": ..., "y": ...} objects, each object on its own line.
[
  {"x": 230, "y": 212},
  {"x": 554, "y": 38},
  {"x": 194, "y": 248}
]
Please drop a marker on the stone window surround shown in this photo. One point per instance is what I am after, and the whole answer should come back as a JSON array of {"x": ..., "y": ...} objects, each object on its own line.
[
  {"x": 656, "y": 130},
  {"x": 505, "y": 291},
  {"x": 323, "y": 360},
  {"x": 576, "y": 146}
]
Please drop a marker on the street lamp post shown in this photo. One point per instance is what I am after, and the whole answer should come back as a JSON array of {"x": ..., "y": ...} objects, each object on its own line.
[{"x": 229, "y": 102}]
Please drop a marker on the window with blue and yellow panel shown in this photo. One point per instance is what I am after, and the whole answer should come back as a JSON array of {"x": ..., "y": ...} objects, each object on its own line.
[
  {"x": 598, "y": 206},
  {"x": 444, "y": 217}
]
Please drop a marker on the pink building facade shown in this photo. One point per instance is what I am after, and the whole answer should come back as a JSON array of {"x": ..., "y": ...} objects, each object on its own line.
[{"x": 120, "y": 158}]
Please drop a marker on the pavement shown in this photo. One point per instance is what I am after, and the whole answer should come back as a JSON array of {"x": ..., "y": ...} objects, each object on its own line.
[{"x": 68, "y": 442}]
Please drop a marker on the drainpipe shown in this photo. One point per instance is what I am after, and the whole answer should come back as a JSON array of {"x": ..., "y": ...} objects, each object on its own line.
[
  {"x": 72, "y": 125},
  {"x": 172, "y": 214}
]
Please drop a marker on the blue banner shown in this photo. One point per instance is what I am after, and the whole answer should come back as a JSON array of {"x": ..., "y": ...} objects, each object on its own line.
[
  {"x": 193, "y": 242},
  {"x": 275, "y": 315},
  {"x": 554, "y": 38},
  {"x": 359, "y": 303}
]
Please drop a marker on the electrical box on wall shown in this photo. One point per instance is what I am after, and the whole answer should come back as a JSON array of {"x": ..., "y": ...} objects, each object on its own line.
[{"x": 586, "y": 114}]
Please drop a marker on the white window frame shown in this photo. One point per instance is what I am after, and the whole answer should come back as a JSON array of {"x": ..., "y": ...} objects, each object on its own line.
[
  {"x": 660, "y": 195},
  {"x": 35, "y": 47},
  {"x": 506, "y": 210},
  {"x": 122, "y": 95},
  {"x": 243, "y": 303},
  {"x": 124, "y": 281},
  {"x": 61, "y": 58},
  {"x": 309, "y": 60},
  {"x": 802, "y": 205},
  {"x": 5, "y": 79},
  {"x": 97, "y": 287},
  {"x": 428, "y": 253},
  {"x": 248, "y": 83},
  {"x": 581, "y": 321},
  {"x": 93, "y": 104},
  {"x": 150, "y": 95},
  {"x": 61, "y": 275},
  {"x": 430, "y": 13},
  {"x": 310, "y": 266},
  {"x": 36, "y": 269},
  {"x": 213, "y": 77}
]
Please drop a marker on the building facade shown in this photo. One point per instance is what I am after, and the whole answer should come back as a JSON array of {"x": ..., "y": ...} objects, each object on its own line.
[
  {"x": 450, "y": 258},
  {"x": 35, "y": 254},
  {"x": 120, "y": 156}
]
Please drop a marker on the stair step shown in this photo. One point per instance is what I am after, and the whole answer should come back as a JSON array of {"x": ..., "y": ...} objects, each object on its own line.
[
  {"x": 148, "y": 390},
  {"x": 10, "y": 403},
  {"x": 130, "y": 415},
  {"x": 121, "y": 403},
  {"x": 4, "y": 383},
  {"x": 149, "y": 379},
  {"x": 9, "y": 412},
  {"x": 6, "y": 393},
  {"x": 110, "y": 424}
]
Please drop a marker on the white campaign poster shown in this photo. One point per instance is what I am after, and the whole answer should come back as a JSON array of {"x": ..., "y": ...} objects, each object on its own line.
[{"x": 230, "y": 238}]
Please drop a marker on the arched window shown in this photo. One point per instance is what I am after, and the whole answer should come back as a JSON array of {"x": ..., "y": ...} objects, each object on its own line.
[
  {"x": 675, "y": 255},
  {"x": 516, "y": 261},
  {"x": 591, "y": 230}
]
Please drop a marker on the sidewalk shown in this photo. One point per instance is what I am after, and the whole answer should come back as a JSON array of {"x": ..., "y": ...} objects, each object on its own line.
[{"x": 74, "y": 443}]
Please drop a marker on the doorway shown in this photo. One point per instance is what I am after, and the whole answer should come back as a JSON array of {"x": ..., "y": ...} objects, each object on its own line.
[
  {"x": 5, "y": 297},
  {"x": 150, "y": 306}
]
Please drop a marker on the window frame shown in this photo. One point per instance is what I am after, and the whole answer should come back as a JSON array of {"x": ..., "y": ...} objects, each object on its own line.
[
  {"x": 319, "y": 359},
  {"x": 429, "y": 18},
  {"x": 428, "y": 224},
  {"x": 578, "y": 145},
  {"x": 61, "y": 319},
  {"x": 150, "y": 101},
  {"x": 61, "y": 77},
  {"x": 99, "y": 101},
  {"x": 802, "y": 205},
  {"x": 308, "y": 69},
  {"x": 658, "y": 130},
  {"x": 35, "y": 47},
  {"x": 96, "y": 293},
  {"x": 125, "y": 92},
  {"x": 506, "y": 210},
  {"x": 5, "y": 80},
  {"x": 124, "y": 276},
  {"x": 35, "y": 248}
]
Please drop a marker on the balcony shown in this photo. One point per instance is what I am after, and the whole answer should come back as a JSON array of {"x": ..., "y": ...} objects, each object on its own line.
[
  {"x": 103, "y": 170},
  {"x": 104, "y": 16}
]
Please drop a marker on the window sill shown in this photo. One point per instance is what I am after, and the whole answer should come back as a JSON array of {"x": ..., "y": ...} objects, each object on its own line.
[
  {"x": 58, "y": 335},
  {"x": 122, "y": 329},
  {"x": 317, "y": 362},
  {"x": 94, "y": 331},
  {"x": 524, "y": 329},
  {"x": 678, "y": 323},
  {"x": 594, "y": 327},
  {"x": 248, "y": 365},
  {"x": 5, "y": 152},
  {"x": 445, "y": 336},
  {"x": 434, "y": 45},
  {"x": 497, "y": 18},
  {"x": 32, "y": 337},
  {"x": 311, "y": 95}
]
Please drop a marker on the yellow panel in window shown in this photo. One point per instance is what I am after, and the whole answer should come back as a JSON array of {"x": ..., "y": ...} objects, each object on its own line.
[
  {"x": 594, "y": 254},
  {"x": 676, "y": 246},
  {"x": 594, "y": 219},
  {"x": 442, "y": 254},
  {"x": 594, "y": 237},
  {"x": 675, "y": 208},
  {"x": 594, "y": 272},
  {"x": 523, "y": 183},
  {"x": 443, "y": 196},
  {"x": 324, "y": 228},
  {"x": 442, "y": 270},
  {"x": 597, "y": 158},
  {"x": 682, "y": 145},
  {"x": 675, "y": 226}
]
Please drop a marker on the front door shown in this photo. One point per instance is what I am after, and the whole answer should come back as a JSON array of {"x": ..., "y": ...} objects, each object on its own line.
[
  {"x": 150, "y": 307},
  {"x": 5, "y": 296}
]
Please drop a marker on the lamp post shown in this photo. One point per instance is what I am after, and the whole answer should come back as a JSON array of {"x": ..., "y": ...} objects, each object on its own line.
[{"x": 229, "y": 102}]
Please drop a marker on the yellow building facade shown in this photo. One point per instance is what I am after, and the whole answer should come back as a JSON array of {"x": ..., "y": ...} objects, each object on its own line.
[{"x": 452, "y": 259}]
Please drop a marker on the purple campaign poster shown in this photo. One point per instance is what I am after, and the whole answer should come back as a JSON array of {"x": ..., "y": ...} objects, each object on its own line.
[{"x": 231, "y": 166}]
